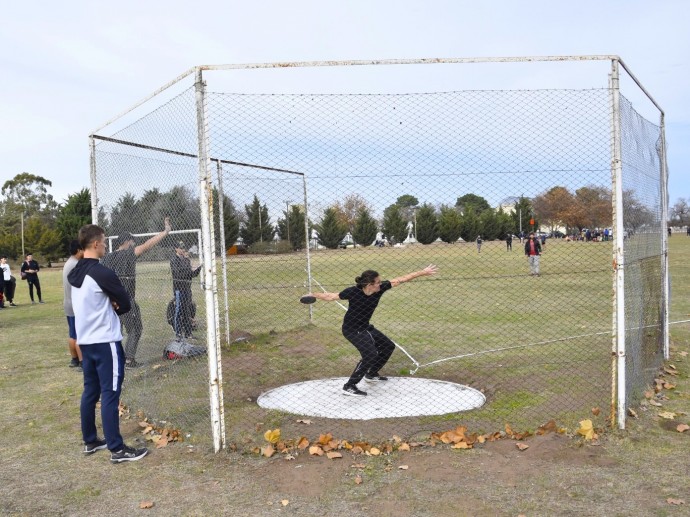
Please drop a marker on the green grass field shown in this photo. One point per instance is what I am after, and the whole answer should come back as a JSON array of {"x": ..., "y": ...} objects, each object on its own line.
[{"x": 42, "y": 471}]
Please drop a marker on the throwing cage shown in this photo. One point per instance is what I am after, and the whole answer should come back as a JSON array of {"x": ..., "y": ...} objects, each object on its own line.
[{"x": 392, "y": 170}]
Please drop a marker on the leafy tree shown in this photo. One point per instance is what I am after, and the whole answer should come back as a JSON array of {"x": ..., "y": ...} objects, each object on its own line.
[
  {"x": 449, "y": 224},
  {"x": 555, "y": 207},
  {"x": 331, "y": 230},
  {"x": 427, "y": 224},
  {"x": 75, "y": 213},
  {"x": 490, "y": 228},
  {"x": 522, "y": 215},
  {"x": 680, "y": 212},
  {"x": 291, "y": 227},
  {"x": 394, "y": 226},
  {"x": 349, "y": 209},
  {"x": 505, "y": 224},
  {"x": 473, "y": 201},
  {"x": 30, "y": 193},
  {"x": 407, "y": 204},
  {"x": 365, "y": 229},
  {"x": 231, "y": 220},
  {"x": 595, "y": 204},
  {"x": 49, "y": 245},
  {"x": 124, "y": 216},
  {"x": 635, "y": 213},
  {"x": 258, "y": 226},
  {"x": 471, "y": 226}
]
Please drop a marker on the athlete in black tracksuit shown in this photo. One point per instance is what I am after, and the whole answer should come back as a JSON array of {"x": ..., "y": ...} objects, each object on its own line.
[{"x": 374, "y": 346}]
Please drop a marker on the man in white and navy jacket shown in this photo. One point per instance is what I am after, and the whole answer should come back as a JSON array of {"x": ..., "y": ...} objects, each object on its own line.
[{"x": 98, "y": 297}]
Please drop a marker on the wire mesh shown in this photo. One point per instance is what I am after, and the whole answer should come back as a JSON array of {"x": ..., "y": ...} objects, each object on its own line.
[{"x": 317, "y": 189}]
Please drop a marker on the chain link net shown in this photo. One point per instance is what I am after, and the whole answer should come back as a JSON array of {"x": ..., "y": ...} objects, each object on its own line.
[{"x": 317, "y": 189}]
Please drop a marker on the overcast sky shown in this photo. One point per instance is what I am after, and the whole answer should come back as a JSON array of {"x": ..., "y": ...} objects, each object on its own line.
[{"x": 68, "y": 67}]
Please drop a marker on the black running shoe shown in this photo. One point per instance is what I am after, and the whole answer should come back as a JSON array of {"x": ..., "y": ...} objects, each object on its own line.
[
  {"x": 90, "y": 448},
  {"x": 131, "y": 364},
  {"x": 375, "y": 378},
  {"x": 74, "y": 362},
  {"x": 128, "y": 454},
  {"x": 353, "y": 391}
]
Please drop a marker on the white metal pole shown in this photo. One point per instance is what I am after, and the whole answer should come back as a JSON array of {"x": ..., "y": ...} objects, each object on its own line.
[
  {"x": 664, "y": 234},
  {"x": 306, "y": 242},
  {"x": 619, "y": 255},
  {"x": 92, "y": 174},
  {"x": 206, "y": 206},
  {"x": 223, "y": 250}
]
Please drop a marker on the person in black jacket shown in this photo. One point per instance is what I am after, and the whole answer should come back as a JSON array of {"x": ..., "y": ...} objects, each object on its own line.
[
  {"x": 30, "y": 272},
  {"x": 182, "y": 274},
  {"x": 373, "y": 345},
  {"x": 532, "y": 252}
]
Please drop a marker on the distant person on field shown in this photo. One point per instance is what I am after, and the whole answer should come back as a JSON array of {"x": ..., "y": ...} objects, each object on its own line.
[
  {"x": 374, "y": 347},
  {"x": 509, "y": 242},
  {"x": 182, "y": 274},
  {"x": 10, "y": 282},
  {"x": 98, "y": 297},
  {"x": 76, "y": 254},
  {"x": 124, "y": 262},
  {"x": 30, "y": 274},
  {"x": 479, "y": 243},
  {"x": 532, "y": 252}
]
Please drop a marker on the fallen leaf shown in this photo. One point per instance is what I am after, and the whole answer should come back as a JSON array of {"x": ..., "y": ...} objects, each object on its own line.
[
  {"x": 289, "y": 457},
  {"x": 284, "y": 502},
  {"x": 144, "y": 505},
  {"x": 655, "y": 403},
  {"x": 404, "y": 447},
  {"x": 357, "y": 450},
  {"x": 307, "y": 422},
  {"x": 522, "y": 446},
  {"x": 268, "y": 451},
  {"x": 677, "y": 502},
  {"x": 403, "y": 467},
  {"x": 596, "y": 411},
  {"x": 586, "y": 429},
  {"x": 397, "y": 439},
  {"x": 681, "y": 428},
  {"x": 143, "y": 424},
  {"x": 303, "y": 443},
  {"x": 333, "y": 455},
  {"x": 683, "y": 353},
  {"x": 632, "y": 412},
  {"x": 668, "y": 386},
  {"x": 315, "y": 450},
  {"x": 374, "y": 451},
  {"x": 461, "y": 445},
  {"x": 162, "y": 442},
  {"x": 668, "y": 415},
  {"x": 548, "y": 427},
  {"x": 358, "y": 479},
  {"x": 648, "y": 394},
  {"x": 272, "y": 436},
  {"x": 325, "y": 438}
]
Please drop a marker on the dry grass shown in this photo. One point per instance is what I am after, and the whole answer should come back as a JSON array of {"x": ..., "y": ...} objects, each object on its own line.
[{"x": 42, "y": 471}]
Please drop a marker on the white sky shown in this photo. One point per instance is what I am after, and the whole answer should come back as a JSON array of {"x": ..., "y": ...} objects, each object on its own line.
[{"x": 68, "y": 67}]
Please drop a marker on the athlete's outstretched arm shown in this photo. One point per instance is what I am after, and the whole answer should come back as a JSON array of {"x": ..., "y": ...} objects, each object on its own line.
[{"x": 431, "y": 269}]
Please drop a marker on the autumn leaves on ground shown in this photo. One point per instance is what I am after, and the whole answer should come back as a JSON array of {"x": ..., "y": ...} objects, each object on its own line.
[{"x": 589, "y": 470}]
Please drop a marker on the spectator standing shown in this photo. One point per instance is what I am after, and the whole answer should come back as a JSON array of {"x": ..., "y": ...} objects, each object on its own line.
[
  {"x": 10, "y": 282},
  {"x": 532, "y": 252},
  {"x": 479, "y": 243},
  {"x": 29, "y": 271},
  {"x": 124, "y": 262},
  {"x": 182, "y": 274},
  {"x": 509, "y": 242},
  {"x": 76, "y": 254},
  {"x": 98, "y": 297}
]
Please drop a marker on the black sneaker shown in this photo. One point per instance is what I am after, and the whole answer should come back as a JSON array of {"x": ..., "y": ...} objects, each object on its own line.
[
  {"x": 128, "y": 454},
  {"x": 131, "y": 364},
  {"x": 74, "y": 362},
  {"x": 90, "y": 448},
  {"x": 41, "y": 301},
  {"x": 12, "y": 304},
  {"x": 353, "y": 391},
  {"x": 375, "y": 378}
]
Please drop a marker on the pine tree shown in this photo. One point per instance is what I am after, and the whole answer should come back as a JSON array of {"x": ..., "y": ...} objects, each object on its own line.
[
  {"x": 449, "y": 224},
  {"x": 365, "y": 228},
  {"x": 331, "y": 231},
  {"x": 258, "y": 226},
  {"x": 427, "y": 224},
  {"x": 394, "y": 226}
]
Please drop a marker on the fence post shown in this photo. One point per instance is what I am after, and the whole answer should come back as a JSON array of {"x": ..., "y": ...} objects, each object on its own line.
[
  {"x": 619, "y": 248},
  {"x": 92, "y": 172},
  {"x": 209, "y": 267},
  {"x": 663, "y": 176},
  {"x": 223, "y": 250}
]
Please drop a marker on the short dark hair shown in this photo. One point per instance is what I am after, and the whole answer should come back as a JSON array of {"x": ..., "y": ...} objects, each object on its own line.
[
  {"x": 89, "y": 233},
  {"x": 124, "y": 237},
  {"x": 28, "y": 253},
  {"x": 367, "y": 277},
  {"x": 74, "y": 247}
]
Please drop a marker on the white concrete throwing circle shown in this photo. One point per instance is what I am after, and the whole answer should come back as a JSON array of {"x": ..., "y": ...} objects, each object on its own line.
[{"x": 396, "y": 397}]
